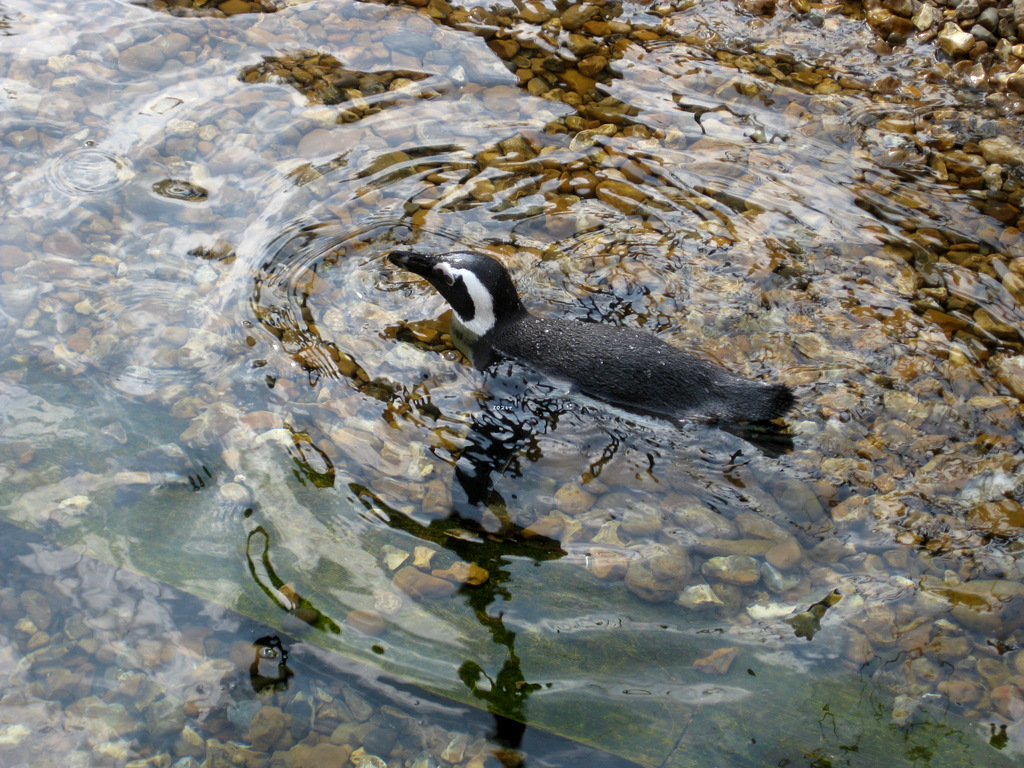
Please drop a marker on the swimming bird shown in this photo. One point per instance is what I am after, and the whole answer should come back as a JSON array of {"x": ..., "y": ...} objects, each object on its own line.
[{"x": 623, "y": 366}]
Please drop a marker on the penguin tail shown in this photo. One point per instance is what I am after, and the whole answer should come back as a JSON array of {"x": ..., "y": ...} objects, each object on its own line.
[{"x": 768, "y": 401}]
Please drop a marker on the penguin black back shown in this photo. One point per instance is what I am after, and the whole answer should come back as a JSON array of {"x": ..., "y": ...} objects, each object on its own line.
[{"x": 621, "y": 365}]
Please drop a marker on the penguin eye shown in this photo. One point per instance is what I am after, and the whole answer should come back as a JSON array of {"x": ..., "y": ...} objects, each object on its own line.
[{"x": 448, "y": 278}]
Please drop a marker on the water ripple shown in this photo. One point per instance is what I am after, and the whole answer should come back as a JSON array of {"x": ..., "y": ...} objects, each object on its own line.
[{"x": 88, "y": 172}]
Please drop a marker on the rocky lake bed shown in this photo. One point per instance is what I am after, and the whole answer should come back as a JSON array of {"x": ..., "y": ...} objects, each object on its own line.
[{"x": 213, "y": 382}]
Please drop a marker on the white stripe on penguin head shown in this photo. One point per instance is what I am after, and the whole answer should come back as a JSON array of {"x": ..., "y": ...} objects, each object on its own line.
[{"x": 483, "y": 302}]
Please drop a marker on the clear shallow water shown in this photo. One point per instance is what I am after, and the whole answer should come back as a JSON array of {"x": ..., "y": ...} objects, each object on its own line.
[{"x": 213, "y": 377}]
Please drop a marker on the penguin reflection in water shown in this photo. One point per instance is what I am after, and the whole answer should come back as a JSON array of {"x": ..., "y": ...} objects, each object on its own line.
[{"x": 622, "y": 366}]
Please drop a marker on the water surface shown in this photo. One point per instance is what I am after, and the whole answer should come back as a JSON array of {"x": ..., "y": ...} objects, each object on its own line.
[{"x": 211, "y": 376}]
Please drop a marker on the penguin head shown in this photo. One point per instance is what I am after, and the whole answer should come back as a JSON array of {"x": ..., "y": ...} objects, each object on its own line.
[{"x": 478, "y": 288}]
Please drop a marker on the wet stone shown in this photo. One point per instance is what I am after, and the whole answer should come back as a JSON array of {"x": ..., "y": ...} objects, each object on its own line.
[
  {"x": 960, "y": 692},
  {"x": 365, "y": 621},
  {"x": 380, "y": 741},
  {"x": 954, "y": 41},
  {"x": 266, "y": 727},
  {"x": 190, "y": 743},
  {"x": 998, "y": 518},
  {"x": 775, "y": 580},
  {"x": 361, "y": 709},
  {"x": 103, "y": 720},
  {"x": 967, "y": 9},
  {"x": 165, "y": 716},
  {"x": 698, "y": 597},
  {"x": 718, "y": 662},
  {"x": 573, "y": 500},
  {"x": 607, "y": 564},
  {"x": 659, "y": 574},
  {"x": 786, "y": 554},
  {"x": 1009, "y": 701},
  {"x": 989, "y": 18},
  {"x": 12, "y": 257},
  {"x": 796, "y": 496},
  {"x": 703, "y": 521},
  {"x": 421, "y": 586},
  {"x": 318, "y": 756},
  {"x": 1002, "y": 150},
  {"x": 234, "y": 493},
  {"x": 144, "y": 57},
  {"x": 609, "y": 535},
  {"x": 993, "y": 606},
  {"x": 463, "y": 573},
  {"x": 63, "y": 244},
  {"x": 393, "y": 556},
  {"x": 1010, "y": 373},
  {"x": 640, "y": 520},
  {"x": 177, "y": 189},
  {"x": 456, "y": 749},
  {"x": 733, "y": 569},
  {"x": 38, "y": 608}
]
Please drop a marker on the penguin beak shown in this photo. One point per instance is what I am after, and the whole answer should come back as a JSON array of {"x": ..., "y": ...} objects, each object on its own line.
[{"x": 421, "y": 264}]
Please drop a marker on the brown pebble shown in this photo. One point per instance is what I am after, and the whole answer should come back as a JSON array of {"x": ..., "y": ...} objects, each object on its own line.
[
  {"x": 421, "y": 586},
  {"x": 592, "y": 66},
  {"x": 79, "y": 340},
  {"x": 573, "y": 500},
  {"x": 322, "y": 142},
  {"x": 620, "y": 195},
  {"x": 12, "y": 257},
  {"x": 659, "y": 575},
  {"x": 366, "y": 621},
  {"x": 960, "y": 692},
  {"x": 997, "y": 518},
  {"x": 323, "y": 754},
  {"x": 550, "y": 527},
  {"x": 463, "y": 573},
  {"x": 988, "y": 605},
  {"x": 267, "y": 727},
  {"x": 63, "y": 244},
  {"x": 232, "y": 7},
  {"x": 144, "y": 57},
  {"x": 718, "y": 662},
  {"x": 607, "y": 564},
  {"x": 785, "y": 555},
  {"x": 1008, "y": 701}
]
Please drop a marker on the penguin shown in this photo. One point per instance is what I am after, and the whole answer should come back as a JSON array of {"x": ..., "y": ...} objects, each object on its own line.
[{"x": 625, "y": 367}]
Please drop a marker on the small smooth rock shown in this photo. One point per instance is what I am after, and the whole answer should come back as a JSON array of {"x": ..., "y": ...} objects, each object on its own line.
[
  {"x": 998, "y": 518},
  {"x": 463, "y": 573},
  {"x": 925, "y": 17},
  {"x": 421, "y": 586},
  {"x": 786, "y": 554},
  {"x": 741, "y": 570},
  {"x": 640, "y": 520},
  {"x": 660, "y": 575},
  {"x": 698, "y": 597},
  {"x": 718, "y": 662},
  {"x": 954, "y": 41},
  {"x": 266, "y": 727},
  {"x": 145, "y": 57},
  {"x": 1002, "y": 150},
  {"x": 365, "y": 621},
  {"x": 571, "y": 499},
  {"x": 993, "y": 606},
  {"x": 703, "y": 521},
  {"x": 607, "y": 564},
  {"x": 319, "y": 756}
]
